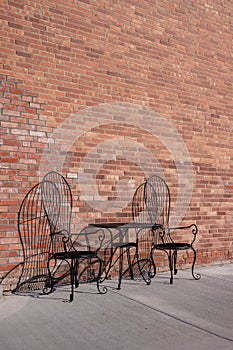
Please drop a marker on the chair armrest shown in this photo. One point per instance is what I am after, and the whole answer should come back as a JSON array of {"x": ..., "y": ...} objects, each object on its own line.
[
  {"x": 91, "y": 240},
  {"x": 193, "y": 227},
  {"x": 64, "y": 240}
]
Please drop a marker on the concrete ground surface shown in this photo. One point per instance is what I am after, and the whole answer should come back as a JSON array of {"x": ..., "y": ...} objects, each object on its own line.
[{"x": 189, "y": 314}]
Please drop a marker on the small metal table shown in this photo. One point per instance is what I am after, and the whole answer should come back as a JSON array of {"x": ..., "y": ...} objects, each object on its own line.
[{"x": 120, "y": 240}]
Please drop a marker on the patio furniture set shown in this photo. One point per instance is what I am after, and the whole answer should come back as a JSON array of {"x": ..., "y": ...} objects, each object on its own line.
[{"x": 52, "y": 256}]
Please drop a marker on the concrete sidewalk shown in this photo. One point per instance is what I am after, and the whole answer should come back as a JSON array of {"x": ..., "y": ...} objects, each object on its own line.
[{"x": 189, "y": 314}]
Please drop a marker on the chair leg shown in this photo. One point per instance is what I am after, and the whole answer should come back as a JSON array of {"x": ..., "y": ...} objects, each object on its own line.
[
  {"x": 72, "y": 278},
  {"x": 120, "y": 268},
  {"x": 196, "y": 276},
  {"x": 174, "y": 261},
  {"x": 129, "y": 264},
  {"x": 147, "y": 280},
  {"x": 76, "y": 279},
  {"x": 152, "y": 274},
  {"x": 170, "y": 259},
  {"x": 99, "y": 278},
  {"x": 108, "y": 266},
  {"x": 50, "y": 284}
]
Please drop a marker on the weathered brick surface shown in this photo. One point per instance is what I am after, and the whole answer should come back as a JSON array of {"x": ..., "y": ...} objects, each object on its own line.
[{"x": 174, "y": 57}]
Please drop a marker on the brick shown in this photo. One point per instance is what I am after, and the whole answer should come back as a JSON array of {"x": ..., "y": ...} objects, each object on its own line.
[
  {"x": 37, "y": 133},
  {"x": 15, "y": 25},
  {"x": 19, "y": 132},
  {"x": 23, "y": 54},
  {"x": 10, "y": 112},
  {"x": 35, "y": 105},
  {"x": 16, "y": 91},
  {"x": 27, "y": 98}
]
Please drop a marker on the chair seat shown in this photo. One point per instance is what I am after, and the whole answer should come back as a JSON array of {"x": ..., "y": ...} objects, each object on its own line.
[
  {"x": 173, "y": 246},
  {"x": 74, "y": 254}
]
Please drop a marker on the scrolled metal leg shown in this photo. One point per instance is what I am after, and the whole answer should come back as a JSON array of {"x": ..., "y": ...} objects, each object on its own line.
[
  {"x": 104, "y": 290},
  {"x": 48, "y": 288},
  {"x": 49, "y": 285},
  {"x": 147, "y": 280},
  {"x": 196, "y": 276},
  {"x": 152, "y": 274}
]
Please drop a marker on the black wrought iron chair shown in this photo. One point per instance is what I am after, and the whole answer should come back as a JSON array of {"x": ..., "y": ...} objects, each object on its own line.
[
  {"x": 34, "y": 232},
  {"x": 164, "y": 240},
  {"x": 57, "y": 199}
]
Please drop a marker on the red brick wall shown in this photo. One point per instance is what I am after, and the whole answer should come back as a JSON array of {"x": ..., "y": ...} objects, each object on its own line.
[{"x": 172, "y": 57}]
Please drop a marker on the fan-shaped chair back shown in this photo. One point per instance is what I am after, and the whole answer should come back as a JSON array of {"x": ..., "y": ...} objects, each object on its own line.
[
  {"x": 162, "y": 201},
  {"x": 57, "y": 199},
  {"x": 34, "y": 232},
  {"x": 144, "y": 204}
]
